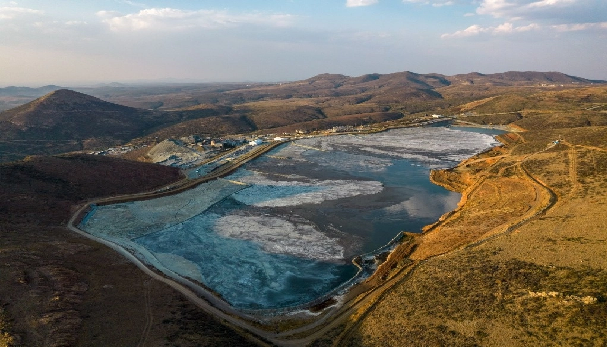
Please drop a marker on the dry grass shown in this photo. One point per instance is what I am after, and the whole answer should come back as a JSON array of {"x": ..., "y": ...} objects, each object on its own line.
[
  {"x": 475, "y": 298},
  {"x": 6, "y": 339},
  {"x": 541, "y": 282}
]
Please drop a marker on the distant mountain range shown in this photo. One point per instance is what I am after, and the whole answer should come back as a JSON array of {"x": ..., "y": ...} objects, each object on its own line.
[
  {"x": 26, "y": 91},
  {"x": 67, "y": 120}
]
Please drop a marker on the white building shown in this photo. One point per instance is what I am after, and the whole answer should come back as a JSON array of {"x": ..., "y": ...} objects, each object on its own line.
[{"x": 255, "y": 142}]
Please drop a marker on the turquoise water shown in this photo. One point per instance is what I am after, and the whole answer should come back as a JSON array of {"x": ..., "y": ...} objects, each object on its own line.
[{"x": 282, "y": 230}]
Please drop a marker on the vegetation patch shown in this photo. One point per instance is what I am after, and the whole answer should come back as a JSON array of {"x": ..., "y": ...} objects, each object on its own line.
[{"x": 6, "y": 339}]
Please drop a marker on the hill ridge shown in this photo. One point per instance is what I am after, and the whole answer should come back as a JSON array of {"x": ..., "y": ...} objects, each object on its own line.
[{"x": 319, "y": 102}]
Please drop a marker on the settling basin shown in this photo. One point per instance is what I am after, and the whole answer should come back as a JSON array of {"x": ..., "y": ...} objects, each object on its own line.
[{"x": 282, "y": 230}]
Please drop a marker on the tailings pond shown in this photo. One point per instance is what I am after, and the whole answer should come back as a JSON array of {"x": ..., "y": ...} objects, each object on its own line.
[{"x": 282, "y": 230}]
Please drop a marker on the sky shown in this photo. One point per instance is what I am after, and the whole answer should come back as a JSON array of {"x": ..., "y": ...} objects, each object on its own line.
[{"x": 68, "y": 42}]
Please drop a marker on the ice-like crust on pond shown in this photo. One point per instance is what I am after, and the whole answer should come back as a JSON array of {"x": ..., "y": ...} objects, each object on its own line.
[
  {"x": 276, "y": 235},
  {"x": 435, "y": 147},
  {"x": 411, "y": 156},
  {"x": 180, "y": 265},
  {"x": 257, "y": 256},
  {"x": 265, "y": 192},
  {"x": 347, "y": 161},
  {"x": 238, "y": 269},
  {"x": 133, "y": 219},
  {"x": 291, "y": 151},
  {"x": 353, "y": 162}
]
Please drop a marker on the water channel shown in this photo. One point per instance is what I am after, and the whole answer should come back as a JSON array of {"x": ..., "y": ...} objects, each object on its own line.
[{"x": 282, "y": 230}]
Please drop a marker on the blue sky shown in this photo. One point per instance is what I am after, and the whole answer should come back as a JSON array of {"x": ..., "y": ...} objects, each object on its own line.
[{"x": 71, "y": 42}]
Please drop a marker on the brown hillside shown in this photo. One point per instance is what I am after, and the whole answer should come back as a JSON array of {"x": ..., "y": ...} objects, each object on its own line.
[
  {"x": 63, "y": 108},
  {"x": 570, "y": 108},
  {"x": 328, "y": 100},
  {"x": 60, "y": 289},
  {"x": 65, "y": 120},
  {"x": 512, "y": 78},
  {"x": 328, "y": 85},
  {"x": 209, "y": 126}
]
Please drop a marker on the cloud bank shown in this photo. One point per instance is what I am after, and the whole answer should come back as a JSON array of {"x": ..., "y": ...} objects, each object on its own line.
[
  {"x": 547, "y": 16},
  {"x": 163, "y": 19},
  {"x": 12, "y": 12},
  {"x": 505, "y": 28}
]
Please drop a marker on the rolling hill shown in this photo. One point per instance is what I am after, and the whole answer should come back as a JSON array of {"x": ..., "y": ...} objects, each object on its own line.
[
  {"x": 65, "y": 120},
  {"x": 69, "y": 115}
]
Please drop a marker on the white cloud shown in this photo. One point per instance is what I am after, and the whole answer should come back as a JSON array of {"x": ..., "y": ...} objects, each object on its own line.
[
  {"x": 540, "y": 8},
  {"x": 505, "y": 28},
  {"x": 472, "y": 30},
  {"x": 75, "y": 22},
  {"x": 580, "y": 26},
  {"x": 508, "y": 28},
  {"x": 168, "y": 19},
  {"x": 12, "y": 12},
  {"x": 441, "y": 4},
  {"x": 536, "y": 15},
  {"x": 357, "y": 3},
  {"x": 545, "y": 3}
]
